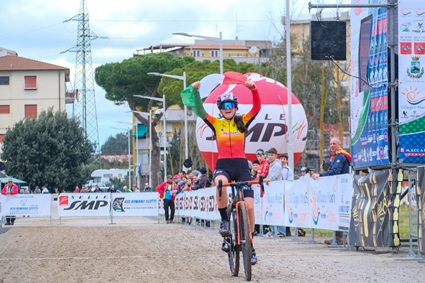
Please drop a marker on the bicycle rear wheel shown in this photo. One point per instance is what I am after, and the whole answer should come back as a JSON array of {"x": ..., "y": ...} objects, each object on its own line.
[
  {"x": 233, "y": 250},
  {"x": 245, "y": 240}
]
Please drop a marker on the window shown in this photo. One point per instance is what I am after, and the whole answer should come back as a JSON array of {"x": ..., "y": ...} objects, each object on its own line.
[
  {"x": 4, "y": 109},
  {"x": 214, "y": 53},
  {"x": 196, "y": 53},
  {"x": 31, "y": 111},
  {"x": 4, "y": 80},
  {"x": 30, "y": 82}
]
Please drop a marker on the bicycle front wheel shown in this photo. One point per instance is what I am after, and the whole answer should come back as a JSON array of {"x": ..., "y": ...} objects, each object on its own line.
[
  {"x": 245, "y": 239},
  {"x": 233, "y": 251}
]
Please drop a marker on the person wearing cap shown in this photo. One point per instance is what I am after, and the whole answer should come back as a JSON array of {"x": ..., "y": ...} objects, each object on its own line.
[
  {"x": 264, "y": 167},
  {"x": 230, "y": 131},
  {"x": 202, "y": 179},
  {"x": 167, "y": 190},
  {"x": 254, "y": 169}
]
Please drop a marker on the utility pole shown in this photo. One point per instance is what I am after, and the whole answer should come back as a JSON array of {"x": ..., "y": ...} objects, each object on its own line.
[{"x": 84, "y": 108}]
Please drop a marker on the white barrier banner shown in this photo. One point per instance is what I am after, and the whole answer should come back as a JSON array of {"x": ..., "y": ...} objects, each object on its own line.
[
  {"x": 135, "y": 204},
  {"x": 84, "y": 204},
  {"x": 269, "y": 208},
  {"x": 324, "y": 203},
  {"x": 37, "y": 205},
  {"x": 200, "y": 203}
]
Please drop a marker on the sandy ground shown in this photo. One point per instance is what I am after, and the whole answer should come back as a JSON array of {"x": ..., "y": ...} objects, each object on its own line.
[{"x": 143, "y": 250}]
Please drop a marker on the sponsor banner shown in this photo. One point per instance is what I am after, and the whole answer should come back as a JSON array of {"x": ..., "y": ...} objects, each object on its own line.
[
  {"x": 369, "y": 91},
  {"x": 34, "y": 205},
  {"x": 411, "y": 68},
  {"x": 319, "y": 204},
  {"x": 199, "y": 204},
  {"x": 271, "y": 209},
  {"x": 375, "y": 207},
  {"x": 135, "y": 204},
  {"x": 308, "y": 203},
  {"x": 91, "y": 204}
]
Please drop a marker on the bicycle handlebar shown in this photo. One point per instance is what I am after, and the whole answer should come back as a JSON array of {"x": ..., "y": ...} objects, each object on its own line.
[{"x": 240, "y": 183}]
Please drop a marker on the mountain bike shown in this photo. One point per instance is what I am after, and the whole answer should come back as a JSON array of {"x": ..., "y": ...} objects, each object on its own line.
[{"x": 240, "y": 238}]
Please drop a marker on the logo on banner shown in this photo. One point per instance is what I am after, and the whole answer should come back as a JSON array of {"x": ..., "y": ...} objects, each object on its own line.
[
  {"x": 412, "y": 97},
  {"x": 87, "y": 205},
  {"x": 63, "y": 200},
  {"x": 117, "y": 204},
  {"x": 415, "y": 71}
]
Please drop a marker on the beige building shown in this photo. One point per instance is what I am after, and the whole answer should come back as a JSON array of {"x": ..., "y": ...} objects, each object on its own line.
[
  {"x": 249, "y": 51},
  {"x": 28, "y": 87}
]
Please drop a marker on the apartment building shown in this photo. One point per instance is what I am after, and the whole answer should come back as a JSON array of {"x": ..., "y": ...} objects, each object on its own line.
[{"x": 28, "y": 87}]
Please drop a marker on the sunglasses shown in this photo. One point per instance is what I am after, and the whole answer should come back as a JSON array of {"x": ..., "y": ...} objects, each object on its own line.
[
  {"x": 227, "y": 105},
  {"x": 260, "y": 152}
]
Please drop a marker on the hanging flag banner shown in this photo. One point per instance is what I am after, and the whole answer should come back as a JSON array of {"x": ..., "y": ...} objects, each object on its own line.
[
  {"x": 411, "y": 94},
  {"x": 369, "y": 86}
]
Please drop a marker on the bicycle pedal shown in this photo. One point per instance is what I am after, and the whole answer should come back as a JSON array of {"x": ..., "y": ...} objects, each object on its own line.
[{"x": 225, "y": 248}]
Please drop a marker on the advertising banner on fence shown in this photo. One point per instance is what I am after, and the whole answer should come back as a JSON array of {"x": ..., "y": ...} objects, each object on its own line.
[
  {"x": 319, "y": 204},
  {"x": 138, "y": 204},
  {"x": 91, "y": 204},
  {"x": 376, "y": 201},
  {"x": 26, "y": 205}
]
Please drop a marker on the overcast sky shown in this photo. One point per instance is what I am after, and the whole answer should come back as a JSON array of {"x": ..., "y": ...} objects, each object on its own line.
[{"x": 35, "y": 29}]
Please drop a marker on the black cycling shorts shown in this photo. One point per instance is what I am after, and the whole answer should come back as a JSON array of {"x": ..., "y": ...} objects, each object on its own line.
[{"x": 235, "y": 169}]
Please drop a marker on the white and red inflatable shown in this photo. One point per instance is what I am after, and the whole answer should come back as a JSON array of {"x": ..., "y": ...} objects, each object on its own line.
[{"x": 269, "y": 128}]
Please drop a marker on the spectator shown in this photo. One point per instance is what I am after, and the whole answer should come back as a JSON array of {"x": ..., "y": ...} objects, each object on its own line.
[
  {"x": 167, "y": 191},
  {"x": 135, "y": 189},
  {"x": 254, "y": 169},
  {"x": 339, "y": 164},
  {"x": 303, "y": 171},
  {"x": 288, "y": 175},
  {"x": 202, "y": 179},
  {"x": 147, "y": 189},
  {"x": 112, "y": 189},
  {"x": 76, "y": 190},
  {"x": 37, "y": 190},
  {"x": 264, "y": 166},
  {"x": 10, "y": 189},
  {"x": 287, "y": 172},
  {"x": 44, "y": 190},
  {"x": 275, "y": 174},
  {"x": 26, "y": 191},
  {"x": 127, "y": 189}
]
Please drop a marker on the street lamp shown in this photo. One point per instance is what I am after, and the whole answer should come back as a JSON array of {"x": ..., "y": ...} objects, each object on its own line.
[
  {"x": 216, "y": 39},
  {"x": 150, "y": 143},
  {"x": 165, "y": 130},
  {"x": 183, "y": 78},
  {"x": 129, "y": 154}
]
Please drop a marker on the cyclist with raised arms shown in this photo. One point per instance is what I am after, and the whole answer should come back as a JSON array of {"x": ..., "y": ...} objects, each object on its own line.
[{"x": 229, "y": 130}]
